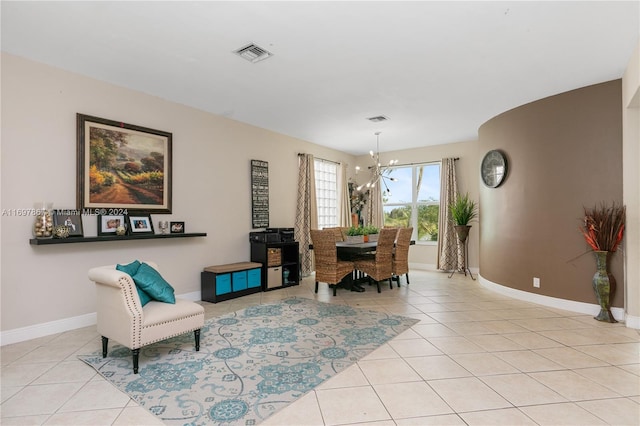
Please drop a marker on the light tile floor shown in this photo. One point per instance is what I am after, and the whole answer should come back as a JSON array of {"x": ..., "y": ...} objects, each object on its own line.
[{"x": 475, "y": 358}]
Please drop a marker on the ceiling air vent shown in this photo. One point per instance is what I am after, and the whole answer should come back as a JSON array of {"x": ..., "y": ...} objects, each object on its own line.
[
  {"x": 253, "y": 53},
  {"x": 378, "y": 118}
]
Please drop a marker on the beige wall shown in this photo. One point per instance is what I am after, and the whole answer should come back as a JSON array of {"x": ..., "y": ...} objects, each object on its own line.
[
  {"x": 48, "y": 284},
  {"x": 631, "y": 184},
  {"x": 211, "y": 157},
  {"x": 424, "y": 256},
  {"x": 564, "y": 152}
]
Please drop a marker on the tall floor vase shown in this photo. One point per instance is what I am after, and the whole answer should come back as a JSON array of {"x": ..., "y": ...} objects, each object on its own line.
[{"x": 604, "y": 285}]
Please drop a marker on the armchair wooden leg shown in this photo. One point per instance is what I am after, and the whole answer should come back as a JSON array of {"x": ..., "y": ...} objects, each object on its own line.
[
  {"x": 196, "y": 334},
  {"x": 136, "y": 356},
  {"x": 316, "y": 286},
  {"x": 105, "y": 343},
  {"x": 407, "y": 277}
]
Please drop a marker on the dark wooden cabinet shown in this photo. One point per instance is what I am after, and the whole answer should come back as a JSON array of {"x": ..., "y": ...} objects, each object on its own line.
[
  {"x": 280, "y": 263},
  {"x": 224, "y": 282}
]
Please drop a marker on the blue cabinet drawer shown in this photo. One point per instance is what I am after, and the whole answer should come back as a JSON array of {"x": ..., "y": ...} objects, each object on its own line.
[
  {"x": 223, "y": 284},
  {"x": 239, "y": 280},
  {"x": 253, "y": 278}
]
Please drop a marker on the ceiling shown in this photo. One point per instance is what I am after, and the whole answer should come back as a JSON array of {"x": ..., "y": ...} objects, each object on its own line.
[{"x": 436, "y": 70}]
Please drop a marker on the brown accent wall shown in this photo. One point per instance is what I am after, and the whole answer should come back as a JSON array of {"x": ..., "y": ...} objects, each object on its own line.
[{"x": 564, "y": 152}]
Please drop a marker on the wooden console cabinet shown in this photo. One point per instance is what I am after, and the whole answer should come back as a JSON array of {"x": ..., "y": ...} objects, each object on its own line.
[{"x": 280, "y": 263}]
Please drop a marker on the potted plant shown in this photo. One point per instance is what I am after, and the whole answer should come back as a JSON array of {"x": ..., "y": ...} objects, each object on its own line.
[
  {"x": 463, "y": 211},
  {"x": 603, "y": 229},
  {"x": 372, "y": 232},
  {"x": 355, "y": 234}
]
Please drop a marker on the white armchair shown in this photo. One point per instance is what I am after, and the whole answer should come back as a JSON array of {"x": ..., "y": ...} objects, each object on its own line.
[{"x": 122, "y": 317}]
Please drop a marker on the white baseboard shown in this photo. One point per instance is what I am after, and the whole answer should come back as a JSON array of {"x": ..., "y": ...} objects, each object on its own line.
[
  {"x": 60, "y": 326},
  {"x": 422, "y": 266},
  {"x": 46, "y": 329},
  {"x": 632, "y": 322},
  {"x": 433, "y": 267},
  {"x": 553, "y": 302}
]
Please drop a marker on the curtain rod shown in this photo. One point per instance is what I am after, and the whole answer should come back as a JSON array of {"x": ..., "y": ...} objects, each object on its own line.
[
  {"x": 395, "y": 165},
  {"x": 300, "y": 154},
  {"x": 421, "y": 162}
]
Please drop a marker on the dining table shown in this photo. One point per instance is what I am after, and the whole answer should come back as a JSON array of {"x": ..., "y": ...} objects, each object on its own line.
[{"x": 347, "y": 250}]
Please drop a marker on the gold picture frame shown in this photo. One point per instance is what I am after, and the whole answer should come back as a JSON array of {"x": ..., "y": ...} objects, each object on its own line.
[{"x": 122, "y": 166}]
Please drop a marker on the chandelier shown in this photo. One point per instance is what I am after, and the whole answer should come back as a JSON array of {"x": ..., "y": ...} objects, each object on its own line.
[{"x": 379, "y": 174}]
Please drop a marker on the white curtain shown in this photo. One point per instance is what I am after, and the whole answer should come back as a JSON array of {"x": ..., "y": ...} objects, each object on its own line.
[
  {"x": 306, "y": 211},
  {"x": 375, "y": 214},
  {"x": 344, "y": 198},
  {"x": 448, "y": 259}
]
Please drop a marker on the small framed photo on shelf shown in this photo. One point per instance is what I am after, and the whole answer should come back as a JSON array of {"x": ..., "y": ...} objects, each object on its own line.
[
  {"x": 69, "y": 218},
  {"x": 112, "y": 225},
  {"x": 140, "y": 224},
  {"x": 177, "y": 227}
]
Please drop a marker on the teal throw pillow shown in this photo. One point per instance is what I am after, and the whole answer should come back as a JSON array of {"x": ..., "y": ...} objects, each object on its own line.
[
  {"x": 144, "y": 297},
  {"x": 131, "y": 269},
  {"x": 152, "y": 283}
]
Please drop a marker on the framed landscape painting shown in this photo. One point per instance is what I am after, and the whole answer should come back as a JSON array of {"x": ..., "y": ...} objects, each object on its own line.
[{"x": 122, "y": 168}]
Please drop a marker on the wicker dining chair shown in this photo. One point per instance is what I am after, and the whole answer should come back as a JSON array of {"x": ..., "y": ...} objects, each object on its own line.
[
  {"x": 337, "y": 231},
  {"x": 401, "y": 254},
  {"x": 329, "y": 269},
  {"x": 380, "y": 267}
]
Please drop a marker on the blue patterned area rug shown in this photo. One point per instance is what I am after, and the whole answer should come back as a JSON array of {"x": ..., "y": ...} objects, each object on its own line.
[{"x": 251, "y": 363}]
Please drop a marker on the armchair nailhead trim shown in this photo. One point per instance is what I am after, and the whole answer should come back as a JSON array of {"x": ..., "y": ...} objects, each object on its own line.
[
  {"x": 127, "y": 291},
  {"x": 168, "y": 322}
]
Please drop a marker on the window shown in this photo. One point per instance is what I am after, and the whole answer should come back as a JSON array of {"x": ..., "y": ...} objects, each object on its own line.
[
  {"x": 414, "y": 199},
  {"x": 326, "y": 193}
]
